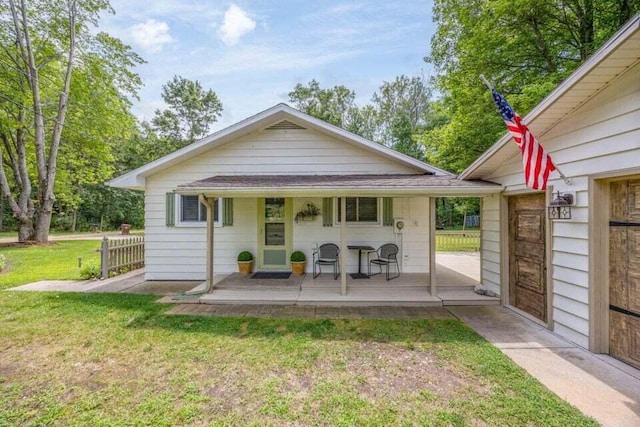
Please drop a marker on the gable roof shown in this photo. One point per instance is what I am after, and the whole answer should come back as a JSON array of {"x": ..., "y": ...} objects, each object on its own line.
[
  {"x": 275, "y": 115},
  {"x": 620, "y": 53},
  {"x": 331, "y": 185}
]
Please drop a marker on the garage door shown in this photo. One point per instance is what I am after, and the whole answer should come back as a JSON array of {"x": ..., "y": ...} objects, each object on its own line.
[
  {"x": 624, "y": 271},
  {"x": 527, "y": 278}
]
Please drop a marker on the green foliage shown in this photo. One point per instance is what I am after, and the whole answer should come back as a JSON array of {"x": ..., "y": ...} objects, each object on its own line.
[
  {"x": 245, "y": 256},
  {"x": 91, "y": 271},
  {"x": 298, "y": 256},
  {"x": 524, "y": 48},
  {"x": 84, "y": 107},
  {"x": 398, "y": 109},
  {"x": 450, "y": 211},
  {"x": 334, "y": 105},
  {"x": 191, "y": 111}
]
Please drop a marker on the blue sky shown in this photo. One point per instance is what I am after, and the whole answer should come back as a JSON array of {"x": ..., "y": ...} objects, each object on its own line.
[{"x": 252, "y": 53}]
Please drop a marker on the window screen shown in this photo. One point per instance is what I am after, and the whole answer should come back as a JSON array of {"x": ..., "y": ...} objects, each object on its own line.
[
  {"x": 360, "y": 209},
  {"x": 191, "y": 210}
]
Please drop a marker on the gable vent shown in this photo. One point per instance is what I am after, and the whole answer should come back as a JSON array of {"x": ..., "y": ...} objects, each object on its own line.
[{"x": 285, "y": 124}]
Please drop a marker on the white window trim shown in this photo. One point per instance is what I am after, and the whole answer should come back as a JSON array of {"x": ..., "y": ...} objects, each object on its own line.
[
  {"x": 195, "y": 224},
  {"x": 336, "y": 221}
]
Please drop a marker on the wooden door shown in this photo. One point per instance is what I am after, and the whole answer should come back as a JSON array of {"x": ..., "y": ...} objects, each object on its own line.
[
  {"x": 527, "y": 266},
  {"x": 624, "y": 272}
]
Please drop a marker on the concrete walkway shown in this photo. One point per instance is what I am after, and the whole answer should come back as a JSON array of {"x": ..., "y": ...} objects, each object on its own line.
[
  {"x": 598, "y": 385},
  {"x": 131, "y": 283}
]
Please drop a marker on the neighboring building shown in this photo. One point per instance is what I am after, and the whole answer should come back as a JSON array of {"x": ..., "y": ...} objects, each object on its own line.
[{"x": 581, "y": 276}]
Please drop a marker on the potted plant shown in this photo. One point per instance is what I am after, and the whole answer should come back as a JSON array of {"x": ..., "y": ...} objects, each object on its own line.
[
  {"x": 245, "y": 262},
  {"x": 308, "y": 213},
  {"x": 298, "y": 261}
]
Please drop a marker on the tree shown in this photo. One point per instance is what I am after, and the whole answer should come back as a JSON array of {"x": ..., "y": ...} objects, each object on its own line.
[
  {"x": 191, "y": 111},
  {"x": 399, "y": 108},
  {"x": 44, "y": 45},
  {"x": 525, "y": 48},
  {"x": 335, "y": 105},
  {"x": 402, "y": 107}
]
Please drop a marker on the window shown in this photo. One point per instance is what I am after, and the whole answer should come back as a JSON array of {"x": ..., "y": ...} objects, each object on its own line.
[
  {"x": 360, "y": 210},
  {"x": 192, "y": 211}
]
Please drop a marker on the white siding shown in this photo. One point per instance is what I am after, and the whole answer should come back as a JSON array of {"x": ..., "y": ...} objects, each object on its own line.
[
  {"x": 178, "y": 253},
  {"x": 413, "y": 243},
  {"x": 490, "y": 267},
  {"x": 601, "y": 136}
]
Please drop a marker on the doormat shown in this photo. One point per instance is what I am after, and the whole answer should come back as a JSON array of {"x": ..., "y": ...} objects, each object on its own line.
[{"x": 271, "y": 275}]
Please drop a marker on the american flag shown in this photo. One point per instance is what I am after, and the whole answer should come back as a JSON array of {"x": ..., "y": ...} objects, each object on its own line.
[{"x": 537, "y": 164}]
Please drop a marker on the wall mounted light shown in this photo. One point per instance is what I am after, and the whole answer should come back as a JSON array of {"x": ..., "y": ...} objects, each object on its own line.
[{"x": 560, "y": 207}]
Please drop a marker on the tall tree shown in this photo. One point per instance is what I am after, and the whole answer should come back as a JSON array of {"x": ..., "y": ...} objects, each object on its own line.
[
  {"x": 335, "y": 105},
  {"x": 398, "y": 109},
  {"x": 44, "y": 43},
  {"x": 526, "y": 48},
  {"x": 402, "y": 107},
  {"x": 191, "y": 111}
]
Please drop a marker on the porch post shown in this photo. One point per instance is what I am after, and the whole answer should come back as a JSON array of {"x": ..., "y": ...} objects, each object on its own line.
[
  {"x": 209, "y": 202},
  {"x": 343, "y": 245},
  {"x": 432, "y": 246}
]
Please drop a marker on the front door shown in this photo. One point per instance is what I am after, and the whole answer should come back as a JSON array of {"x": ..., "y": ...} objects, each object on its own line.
[
  {"x": 274, "y": 233},
  {"x": 624, "y": 272},
  {"x": 527, "y": 276}
]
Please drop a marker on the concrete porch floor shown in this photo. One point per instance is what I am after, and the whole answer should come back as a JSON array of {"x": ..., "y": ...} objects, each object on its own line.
[{"x": 456, "y": 275}]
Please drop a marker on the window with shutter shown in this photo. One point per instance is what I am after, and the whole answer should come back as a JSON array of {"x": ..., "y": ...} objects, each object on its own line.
[
  {"x": 360, "y": 210},
  {"x": 194, "y": 212}
]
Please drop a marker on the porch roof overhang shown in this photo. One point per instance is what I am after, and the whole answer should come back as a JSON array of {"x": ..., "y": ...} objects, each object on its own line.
[{"x": 338, "y": 185}]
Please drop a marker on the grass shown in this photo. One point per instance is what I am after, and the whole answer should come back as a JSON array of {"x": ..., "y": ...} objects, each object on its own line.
[
  {"x": 118, "y": 360},
  {"x": 54, "y": 261}
]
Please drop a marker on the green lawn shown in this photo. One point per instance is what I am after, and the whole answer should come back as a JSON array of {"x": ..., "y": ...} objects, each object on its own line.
[
  {"x": 117, "y": 360},
  {"x": 55, "y": 261}
]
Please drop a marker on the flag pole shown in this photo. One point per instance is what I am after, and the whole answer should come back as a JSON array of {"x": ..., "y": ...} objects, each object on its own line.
[{"x": 488, "y": 86}]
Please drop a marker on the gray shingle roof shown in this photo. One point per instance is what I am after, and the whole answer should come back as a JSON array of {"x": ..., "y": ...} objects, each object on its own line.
[{"x": 225, "y": 182}]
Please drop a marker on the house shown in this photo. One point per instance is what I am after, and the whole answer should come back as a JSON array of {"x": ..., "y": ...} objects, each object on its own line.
[
  {"x": 243, "y": 188},
  {"x": 580, "y": 276}
]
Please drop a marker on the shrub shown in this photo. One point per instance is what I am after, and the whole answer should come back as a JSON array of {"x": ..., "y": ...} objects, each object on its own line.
[
  {"x": 245, "y": 256},
  {"x": 3, "y": 262},
  {"x": 90, "y": 271},
  {"x": 298, "y": 256}
]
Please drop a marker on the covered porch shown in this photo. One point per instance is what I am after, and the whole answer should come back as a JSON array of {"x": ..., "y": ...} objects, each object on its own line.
[
  {"x": 456, "y": 287},
  {"x": 412, "y": 201}
]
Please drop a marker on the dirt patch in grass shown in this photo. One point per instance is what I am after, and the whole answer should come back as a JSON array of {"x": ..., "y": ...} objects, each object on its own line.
[{"x": 389, "y": 371}]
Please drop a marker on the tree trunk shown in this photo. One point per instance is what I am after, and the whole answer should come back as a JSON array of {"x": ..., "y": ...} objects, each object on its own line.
[
  {"x": 1, "y": 209},
  {"x": 25, "y": 230},
  {"x": 43, "y": 222},
  {"x": 74, "y": 218}
]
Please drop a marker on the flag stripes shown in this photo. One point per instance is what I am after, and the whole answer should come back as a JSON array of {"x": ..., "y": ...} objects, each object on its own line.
[{"x": 536, "y": 163}]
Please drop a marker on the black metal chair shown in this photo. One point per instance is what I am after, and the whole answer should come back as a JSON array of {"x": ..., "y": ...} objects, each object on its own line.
[
  {"x": 327, "y": 254},
  {"x": 386, "y": 255}
]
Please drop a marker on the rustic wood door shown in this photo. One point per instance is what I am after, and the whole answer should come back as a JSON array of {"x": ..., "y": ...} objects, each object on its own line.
[
  {"x": 527, "y": 265},
  {"x": 624, "y": 271}
]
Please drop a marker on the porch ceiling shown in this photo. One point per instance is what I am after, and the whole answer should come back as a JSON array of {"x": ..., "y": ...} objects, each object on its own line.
[{"x": 337, "y": 185}]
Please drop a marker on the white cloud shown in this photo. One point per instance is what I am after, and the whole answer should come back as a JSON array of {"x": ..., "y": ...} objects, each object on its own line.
[
  {"x": 236, "y": 24},
  {"x": 151, "y": 35}
]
